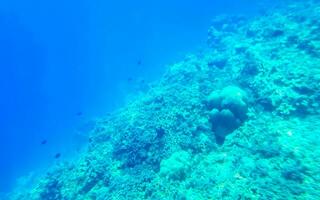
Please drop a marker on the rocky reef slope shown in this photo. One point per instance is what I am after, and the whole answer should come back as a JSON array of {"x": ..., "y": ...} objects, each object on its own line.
[{"x": 237, "y": 121}]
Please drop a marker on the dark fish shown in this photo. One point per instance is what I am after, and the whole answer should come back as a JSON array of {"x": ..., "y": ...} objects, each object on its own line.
[
  {"x": 79, "y": 113},
  {"x": 130, "y": 79},
  {"x": 44, "y": 142},
  {"x": 139, "y": 62},
  {"x": 58, "y": 155}
]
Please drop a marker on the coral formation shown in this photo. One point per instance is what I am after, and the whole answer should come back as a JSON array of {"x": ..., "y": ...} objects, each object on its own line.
[
  {"x": 228, "y": 110},
  {"x": 256, "y": 87}
]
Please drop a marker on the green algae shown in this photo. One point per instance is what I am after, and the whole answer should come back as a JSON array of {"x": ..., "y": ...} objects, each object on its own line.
[{"x": 162, "y": 145}]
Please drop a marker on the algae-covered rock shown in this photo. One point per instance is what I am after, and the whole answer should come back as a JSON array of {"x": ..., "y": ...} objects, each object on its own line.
[{"x": 176, "y": 167}]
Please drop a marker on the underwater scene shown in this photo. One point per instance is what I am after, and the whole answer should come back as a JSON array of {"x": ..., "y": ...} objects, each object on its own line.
[{"x": 170, "y": 100}]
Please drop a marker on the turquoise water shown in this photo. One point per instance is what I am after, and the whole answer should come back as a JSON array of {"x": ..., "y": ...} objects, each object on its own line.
[{"x": 171, "y": 100}]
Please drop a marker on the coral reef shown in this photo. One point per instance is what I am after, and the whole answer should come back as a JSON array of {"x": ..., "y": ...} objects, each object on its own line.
[{"x": 237, "y": 121}]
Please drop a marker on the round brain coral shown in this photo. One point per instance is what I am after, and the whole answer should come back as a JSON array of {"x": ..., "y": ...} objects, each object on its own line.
[
  {"x": 235, "y": 99},
  {"x": 228, "y": 110}
]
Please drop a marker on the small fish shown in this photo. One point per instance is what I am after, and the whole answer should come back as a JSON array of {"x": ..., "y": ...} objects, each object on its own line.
[
  {"x": 79, "y": 113},
  {"x": 43, "y": 142},
  {"x": 139, "y": 62},
  {"x": 129, "y": 79},
  {"x": 58, "y": 155}
]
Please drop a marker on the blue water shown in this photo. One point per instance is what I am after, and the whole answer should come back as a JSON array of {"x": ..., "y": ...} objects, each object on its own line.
[{"x": 65, "y": 63}]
